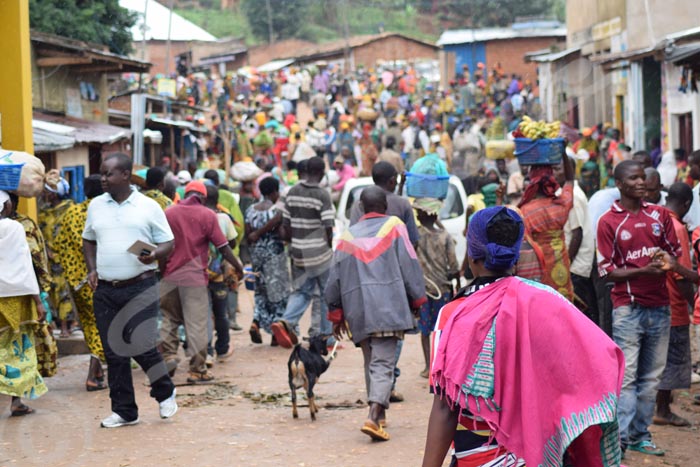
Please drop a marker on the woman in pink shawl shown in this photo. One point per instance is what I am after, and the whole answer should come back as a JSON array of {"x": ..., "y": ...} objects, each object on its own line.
[{"x": 528, "y": 377}]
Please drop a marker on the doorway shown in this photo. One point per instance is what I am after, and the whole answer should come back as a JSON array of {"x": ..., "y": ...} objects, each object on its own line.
[{"x": 685, "y": 132}]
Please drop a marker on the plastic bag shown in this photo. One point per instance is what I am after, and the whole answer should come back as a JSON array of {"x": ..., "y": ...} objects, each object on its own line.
[
  {"x": 430, "y": 164},
  {"x": 31, "y": 182},
  {"x": 245, "y": 171}
]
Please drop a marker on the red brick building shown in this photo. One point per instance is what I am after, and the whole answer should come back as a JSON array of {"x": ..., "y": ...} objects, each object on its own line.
[{"x": 491, "y": 46}]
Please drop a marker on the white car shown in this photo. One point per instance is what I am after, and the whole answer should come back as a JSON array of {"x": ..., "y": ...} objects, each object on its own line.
[{"x": 452, "y": 215}]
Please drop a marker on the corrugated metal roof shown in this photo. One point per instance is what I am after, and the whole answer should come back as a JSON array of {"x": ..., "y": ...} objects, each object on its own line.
[
  {"x": 85, "y": 131},
  {"x": 274, "y": 65},
  {"x": 468, "y": 36},
  {"x": 157, "y": 20}
]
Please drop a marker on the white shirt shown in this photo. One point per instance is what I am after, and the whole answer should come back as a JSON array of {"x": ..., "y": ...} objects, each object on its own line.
[
  {"x": 692, "y": 219},
  {"x": 115, "y": 227},
  {"x": 408, "y": 136},
  {"x": 578, "y": 217}
]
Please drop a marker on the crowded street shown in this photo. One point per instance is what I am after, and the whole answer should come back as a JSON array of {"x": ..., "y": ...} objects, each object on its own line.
[{"x": 466, "y": 236}]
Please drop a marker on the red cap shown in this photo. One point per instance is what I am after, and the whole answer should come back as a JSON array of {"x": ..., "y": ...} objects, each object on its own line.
[{"x": 196, "y": 186}]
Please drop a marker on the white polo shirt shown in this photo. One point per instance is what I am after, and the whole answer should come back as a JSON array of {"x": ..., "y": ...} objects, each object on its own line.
[{"x": 115, "y": 227}]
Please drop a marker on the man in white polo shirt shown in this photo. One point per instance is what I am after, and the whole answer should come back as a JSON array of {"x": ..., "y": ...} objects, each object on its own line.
[{"x": 126, "y": 299}]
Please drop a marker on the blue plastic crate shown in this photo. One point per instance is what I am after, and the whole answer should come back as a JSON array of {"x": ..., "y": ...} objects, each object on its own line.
[
  {"x": 10, "y": 176},
  {"x": 427, "y": 186},
  {"x": 539, "y": 151}
]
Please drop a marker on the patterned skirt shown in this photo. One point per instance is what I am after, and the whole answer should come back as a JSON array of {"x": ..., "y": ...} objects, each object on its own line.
[{"x": 19, "y": 375}]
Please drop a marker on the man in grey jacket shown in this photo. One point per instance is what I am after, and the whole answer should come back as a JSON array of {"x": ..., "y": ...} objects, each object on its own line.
[{"x": 382, "y": 285}]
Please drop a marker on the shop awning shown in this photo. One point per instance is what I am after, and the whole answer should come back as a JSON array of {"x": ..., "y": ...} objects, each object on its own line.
[
  {"x": 552, "y": 57},
  {"x": 50, "y": 137},
  {"x": 275, "y": 65}
]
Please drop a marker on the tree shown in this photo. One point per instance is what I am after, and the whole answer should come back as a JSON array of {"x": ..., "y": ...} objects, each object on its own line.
[
  {"x": 288, "y": 17},
  {"x": 99, "y": 21},
  {"x": 484, "y": 13}
]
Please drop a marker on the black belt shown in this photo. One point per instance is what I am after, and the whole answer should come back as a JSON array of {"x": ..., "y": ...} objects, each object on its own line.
[{"x": 128, "y": 282}]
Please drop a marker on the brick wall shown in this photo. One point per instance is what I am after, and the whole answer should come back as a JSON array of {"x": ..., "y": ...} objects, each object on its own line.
[
  {"x": 157, "y": 51},
  {"x": 392, "y": 48},
  {"x": 511, "y": 54}
]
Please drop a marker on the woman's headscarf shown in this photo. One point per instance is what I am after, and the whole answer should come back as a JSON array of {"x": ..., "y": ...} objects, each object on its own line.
[
  {"x": 542, "y": 180},
  {"x": 496, "y": 257}
]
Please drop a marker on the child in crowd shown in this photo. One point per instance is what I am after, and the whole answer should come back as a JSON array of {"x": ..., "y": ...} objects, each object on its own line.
[{"x": 436, "y": 254}]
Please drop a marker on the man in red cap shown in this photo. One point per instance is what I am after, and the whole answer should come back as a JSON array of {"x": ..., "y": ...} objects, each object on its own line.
[{"x": 185, "y": 299}]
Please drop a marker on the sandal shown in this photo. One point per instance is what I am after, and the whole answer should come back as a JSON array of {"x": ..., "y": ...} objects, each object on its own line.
[
  {"x": 646, "y": 447},
  {"x": 21, "y": 410},
  {"x": 374, "y": 431},
  {"x": 285, "y": 337},
  {"x": 200, "y": 378},
  {"x": 96, "y": 385},
  {"x": 254, "y": 332}
]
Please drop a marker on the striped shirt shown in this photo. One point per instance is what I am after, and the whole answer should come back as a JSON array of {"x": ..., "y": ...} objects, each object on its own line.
[{"x": 309, "y": 212}]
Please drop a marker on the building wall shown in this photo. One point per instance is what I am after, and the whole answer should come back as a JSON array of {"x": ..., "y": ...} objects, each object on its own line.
[
  {"x": 679, "y": 103},
  {"x": 511, "y": 55},
  {"x": 52, "y": 86},
  {"x": 646, "y": 27},
  {"x": 156, "y": 52},
  {"x": 77, "y": 155},
  {"x": 392, "y": 48}
]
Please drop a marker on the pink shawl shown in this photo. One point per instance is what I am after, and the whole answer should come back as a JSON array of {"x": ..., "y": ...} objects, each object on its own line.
[{"x": 539, "y": 372}]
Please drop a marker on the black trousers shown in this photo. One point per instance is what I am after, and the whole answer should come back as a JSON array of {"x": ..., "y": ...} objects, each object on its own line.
[
  {"x": 583, "y": 288},
  {"x": 127, "y": 321}
]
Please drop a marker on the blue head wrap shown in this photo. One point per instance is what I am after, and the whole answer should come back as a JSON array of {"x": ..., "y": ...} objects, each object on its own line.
[{"x": 496, "y": 257}]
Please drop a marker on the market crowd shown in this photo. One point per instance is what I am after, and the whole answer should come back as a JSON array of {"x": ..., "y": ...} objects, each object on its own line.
[{"x": 162, "y": 253}]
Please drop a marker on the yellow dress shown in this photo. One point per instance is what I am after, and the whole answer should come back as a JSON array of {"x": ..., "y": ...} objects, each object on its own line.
[
  {"x": 51, "y": 222},
  {"x": 69, "y": 243},
  {"x": 156, "y": 195},
  {"x": 19, "y": 375}
]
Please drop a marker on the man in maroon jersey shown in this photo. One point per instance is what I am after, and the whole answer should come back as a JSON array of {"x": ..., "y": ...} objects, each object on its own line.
[{"x": 637, "y": 245}]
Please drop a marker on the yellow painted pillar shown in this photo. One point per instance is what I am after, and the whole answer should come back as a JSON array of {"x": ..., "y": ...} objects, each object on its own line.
[{"x": 16, "y": 84}]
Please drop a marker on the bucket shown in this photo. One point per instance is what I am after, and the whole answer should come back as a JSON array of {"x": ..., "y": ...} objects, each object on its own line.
[{"x": 249, "y": 278}]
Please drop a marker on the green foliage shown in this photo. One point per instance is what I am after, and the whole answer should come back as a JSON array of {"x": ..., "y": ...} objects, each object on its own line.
[
  {"x": 99, "y": 21},
  {"x": 219, "y": 23},
  {"x": 288, "y": 17},
  {"x": 485, "y": 13}
]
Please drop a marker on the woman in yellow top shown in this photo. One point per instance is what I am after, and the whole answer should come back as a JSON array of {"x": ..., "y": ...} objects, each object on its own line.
[
  {"x": 56, "y": 202},
  {"x": 21, "y": 311},
  {"x": 69, "y": 242}
]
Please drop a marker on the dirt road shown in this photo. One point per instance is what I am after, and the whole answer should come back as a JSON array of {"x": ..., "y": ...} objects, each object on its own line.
[{"x": 245, "y": 419}]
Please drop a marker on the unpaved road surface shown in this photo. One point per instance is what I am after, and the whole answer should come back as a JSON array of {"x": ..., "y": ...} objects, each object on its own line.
[{"x": 246, "y": 419}]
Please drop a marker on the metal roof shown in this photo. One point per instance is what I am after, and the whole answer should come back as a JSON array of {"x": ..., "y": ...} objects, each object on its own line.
[
  {"x": 554, "y": 56},
  {"x": 82, "y": 131},
  {"x": 468, "y": 36},
  {"x": 157, "y": 22},
  {"x": 274, "y": 65}
]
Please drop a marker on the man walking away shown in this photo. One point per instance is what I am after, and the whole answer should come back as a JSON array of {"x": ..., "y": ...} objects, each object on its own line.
[
  {"x": 126, "y": 287},
  {"x": 637, "y": 245},
  {"x": 375, "y": 284},
  {"x": 308, "y": 223},
  {"x": 185, "y": 298}
]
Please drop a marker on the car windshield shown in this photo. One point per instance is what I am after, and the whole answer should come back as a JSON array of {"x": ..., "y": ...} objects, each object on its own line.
[{"x": 452, "y": 205}]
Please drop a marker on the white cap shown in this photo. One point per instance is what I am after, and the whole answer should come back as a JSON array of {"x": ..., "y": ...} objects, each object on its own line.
[{"x": 183, "y": 177}]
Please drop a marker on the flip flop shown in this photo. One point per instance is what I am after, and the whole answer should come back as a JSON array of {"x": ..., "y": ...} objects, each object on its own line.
[
  {"x": 285, "y": 338},
  {"x": 646, "y": 447},
  {"x": 21, "y": 410},
  {"x": 377, "y": 433}
]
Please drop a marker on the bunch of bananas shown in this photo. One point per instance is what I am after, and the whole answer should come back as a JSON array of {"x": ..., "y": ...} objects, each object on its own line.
[{"x": 541, "y": 129}]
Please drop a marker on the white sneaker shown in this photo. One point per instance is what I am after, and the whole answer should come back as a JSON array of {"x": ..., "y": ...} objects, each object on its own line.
[
  {"x": 210, "y": 361},
  {"x": 168, "y": 407},
  {"x": 115, "y": 421},
  {"x": 694, "y": 378}
]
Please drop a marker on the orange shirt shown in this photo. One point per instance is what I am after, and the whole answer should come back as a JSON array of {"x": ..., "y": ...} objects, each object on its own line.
[{"x": 679, "y": 305}]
